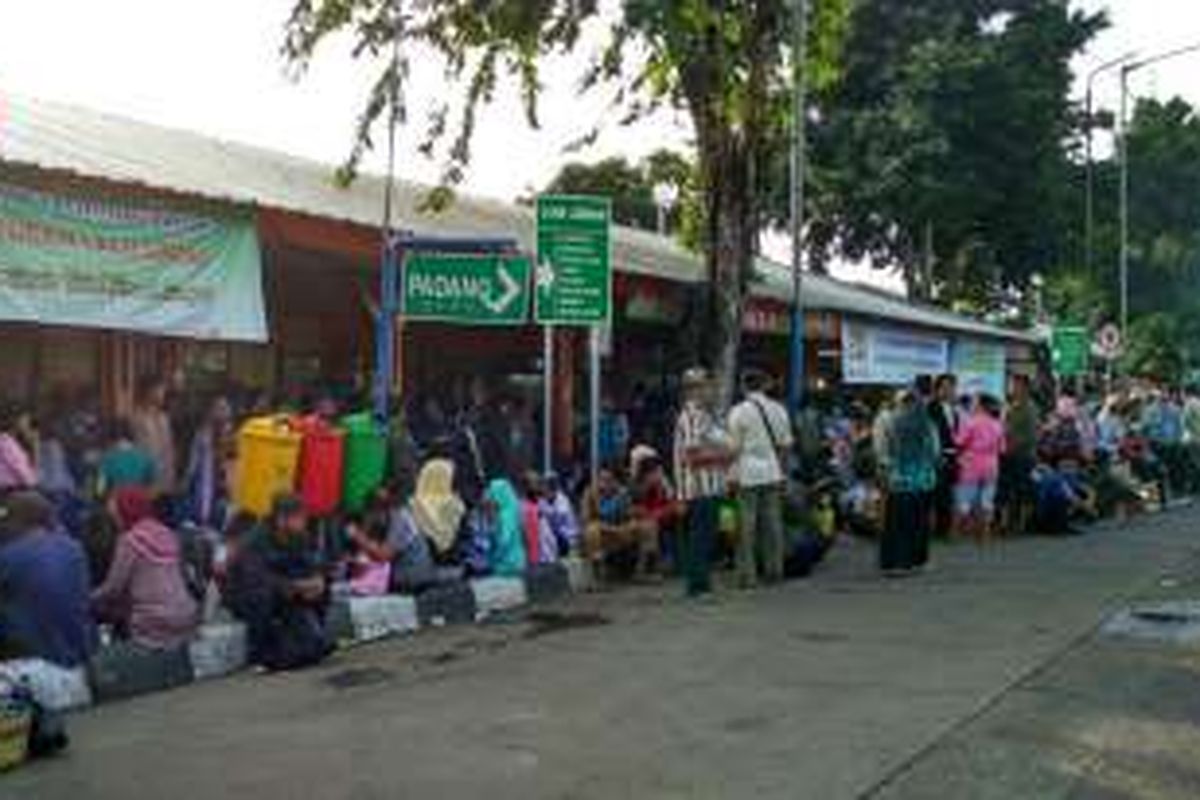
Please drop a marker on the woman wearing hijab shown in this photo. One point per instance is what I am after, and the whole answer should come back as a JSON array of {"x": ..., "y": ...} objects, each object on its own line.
[
  {"x": 145, "y": 593},
  {"x": 508, "y": 550},
  {"x": 437, "y": 510},
  {"x": 914, "y": 456}
]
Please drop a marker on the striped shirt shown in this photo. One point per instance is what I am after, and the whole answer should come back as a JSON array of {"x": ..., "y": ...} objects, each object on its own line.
[{"x": 696, "y": 427}]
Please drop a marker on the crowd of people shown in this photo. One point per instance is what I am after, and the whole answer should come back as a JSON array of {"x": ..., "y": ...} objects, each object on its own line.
[{"x": 127, "y": 529}]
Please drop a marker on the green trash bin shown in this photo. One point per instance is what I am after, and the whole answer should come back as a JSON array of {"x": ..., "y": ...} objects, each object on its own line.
[{"x": 365, "y": 459}]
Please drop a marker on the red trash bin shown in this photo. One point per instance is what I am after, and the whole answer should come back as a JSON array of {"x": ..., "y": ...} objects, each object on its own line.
[{"x": 319, "y": 476}]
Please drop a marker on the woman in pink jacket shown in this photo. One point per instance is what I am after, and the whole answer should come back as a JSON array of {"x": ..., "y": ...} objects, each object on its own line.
[
  {"x": 145, "y": 595},
  {"x": 980, "y": 441}
]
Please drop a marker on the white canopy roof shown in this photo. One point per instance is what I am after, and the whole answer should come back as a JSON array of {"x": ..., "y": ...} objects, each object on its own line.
[{"x": 59, "y": 137}]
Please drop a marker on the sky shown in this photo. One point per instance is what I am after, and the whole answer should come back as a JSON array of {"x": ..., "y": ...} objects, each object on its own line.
[{"x": 214, "y": 67}]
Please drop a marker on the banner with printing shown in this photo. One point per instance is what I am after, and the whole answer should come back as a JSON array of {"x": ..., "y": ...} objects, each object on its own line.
[
  {"x": 129, "y": 264},
  {"x": 887, "y": 355}
]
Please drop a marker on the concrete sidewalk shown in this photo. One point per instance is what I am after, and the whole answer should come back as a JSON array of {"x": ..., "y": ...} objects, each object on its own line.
[{"x": 835, "y": 687}]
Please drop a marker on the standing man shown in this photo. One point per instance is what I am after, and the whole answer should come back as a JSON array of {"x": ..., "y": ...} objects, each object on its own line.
[
  {"x": 1020, "y": 458},
  {"x": 761, "y": 437},
  {"x": 945, "y": 421},
  {"x": 702, "y": 457},
  {"x": 152, "y": 432}
]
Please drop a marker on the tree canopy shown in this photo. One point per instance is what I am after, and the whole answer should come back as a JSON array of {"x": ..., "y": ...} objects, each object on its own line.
[
  {"x": 632, "y": 186},
  {"x": 951, "y": 127},
  {"x": 728, "y": 63},
  {"x": 1164, "y": 237}
]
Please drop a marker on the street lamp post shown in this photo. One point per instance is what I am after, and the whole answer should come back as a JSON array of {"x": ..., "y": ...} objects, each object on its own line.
[
  {"x": 1126, "y": 71},
  {"x": 666, "y": 195},
  {"x": 1089, "y": 127},
  {"x": 799, "y": 102}
]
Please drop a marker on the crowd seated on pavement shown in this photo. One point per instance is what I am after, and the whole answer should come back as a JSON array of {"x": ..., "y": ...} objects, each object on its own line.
[{"x": 105, "y": 535}]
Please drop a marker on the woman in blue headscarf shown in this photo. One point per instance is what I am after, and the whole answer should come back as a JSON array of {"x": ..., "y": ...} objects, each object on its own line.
[{"x": 508, "y": 550}]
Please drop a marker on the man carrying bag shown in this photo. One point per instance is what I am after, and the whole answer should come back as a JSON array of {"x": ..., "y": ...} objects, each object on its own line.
[{"x": 762, "y": 437}]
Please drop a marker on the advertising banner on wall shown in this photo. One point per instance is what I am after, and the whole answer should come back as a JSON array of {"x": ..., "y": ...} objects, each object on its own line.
[
  {"x": 890, "y": 356},
  {"x": 980, "y": 367},
  {"x": 128, "y": 264}
]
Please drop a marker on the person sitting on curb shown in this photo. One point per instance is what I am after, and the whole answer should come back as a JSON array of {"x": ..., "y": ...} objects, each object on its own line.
[
  {"x": 393, "y": 534},
  {"x": 144, "y": 594},
  {"x": 610, "y": 526},
  {"x": 43, "y": 586},
  {"x": 560, "y": 515},
  {"x": 654, "y": 499},
  {"x": 276, "y": 586}
]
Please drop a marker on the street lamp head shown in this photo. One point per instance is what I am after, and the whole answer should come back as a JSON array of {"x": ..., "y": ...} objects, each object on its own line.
[{"x": 666, "y": 195}]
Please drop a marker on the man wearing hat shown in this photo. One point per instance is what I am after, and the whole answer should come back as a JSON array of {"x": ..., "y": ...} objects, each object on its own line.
[{"x": 703, "y": 453}]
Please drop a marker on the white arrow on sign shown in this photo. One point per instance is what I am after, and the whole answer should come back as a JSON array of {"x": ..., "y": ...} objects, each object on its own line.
[
  {"x": 545, "y": 275},
  {"x": 512, "y": 290}
]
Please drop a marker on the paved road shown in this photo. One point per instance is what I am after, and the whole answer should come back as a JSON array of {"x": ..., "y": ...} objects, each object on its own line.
[{"x": 843, "y": 686}]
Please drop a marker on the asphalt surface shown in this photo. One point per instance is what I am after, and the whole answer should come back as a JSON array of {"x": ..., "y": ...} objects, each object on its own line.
[{"x": 985, "y": 678}]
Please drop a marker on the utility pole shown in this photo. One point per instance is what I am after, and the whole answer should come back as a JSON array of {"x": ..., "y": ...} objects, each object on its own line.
[
  {"x": 1123, "y": 141},
  {"x": 389, "y": 269},
  {"x": 799, "y": 146}
]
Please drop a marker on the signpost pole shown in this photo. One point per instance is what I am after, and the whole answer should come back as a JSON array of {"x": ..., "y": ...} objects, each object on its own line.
[
  {"x": 547, "y": 399},
  {"x": 594, "y": 397}
]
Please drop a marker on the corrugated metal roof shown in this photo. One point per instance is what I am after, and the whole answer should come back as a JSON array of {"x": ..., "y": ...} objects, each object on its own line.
[
  {"x": 61, "y": 137},
  {"x": 820, "y": 292},
  {"x": 54, "y": 136}
]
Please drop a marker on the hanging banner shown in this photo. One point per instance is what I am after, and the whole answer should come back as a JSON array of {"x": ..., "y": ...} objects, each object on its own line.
[
  {"x": 128, "y": 265},
  {"x": 888, "y": 356},
  {"x": 979, "y": 366}
]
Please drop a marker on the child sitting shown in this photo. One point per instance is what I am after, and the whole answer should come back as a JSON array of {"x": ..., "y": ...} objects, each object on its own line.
[{"x": 368, "y": 560}]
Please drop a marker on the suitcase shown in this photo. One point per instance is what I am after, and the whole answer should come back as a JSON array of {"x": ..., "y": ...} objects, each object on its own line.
[
  {"x": 546, "y": 582},
  {"x": 218, "y": 650},
  {"x": 447, "y": 604},
  {"x": 125, "y": 670},
  {"x": 494, "y": 595}
]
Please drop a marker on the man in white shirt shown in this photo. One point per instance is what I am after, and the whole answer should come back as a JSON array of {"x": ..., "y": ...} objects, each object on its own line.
[{"x": 762, "y": 438}]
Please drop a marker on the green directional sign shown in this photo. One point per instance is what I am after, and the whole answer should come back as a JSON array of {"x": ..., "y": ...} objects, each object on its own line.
[
  {"x": 574, "y": 271},
  {"x": 467, "y": 289},
  {"x": 1070, "y": 350}
]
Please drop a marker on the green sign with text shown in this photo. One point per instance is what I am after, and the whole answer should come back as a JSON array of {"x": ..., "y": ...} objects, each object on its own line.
[
  {"x": 1070, "y": 351},
  {"x": 574, "y": 271},
  {"x": 467, "y": 289}
]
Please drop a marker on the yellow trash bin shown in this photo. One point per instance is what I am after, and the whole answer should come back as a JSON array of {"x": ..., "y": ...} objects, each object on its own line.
[{"x": 268, "y": 449}]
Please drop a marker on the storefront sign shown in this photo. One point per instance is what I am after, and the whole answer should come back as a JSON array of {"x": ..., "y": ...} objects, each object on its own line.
[
  {"x": 655, "y": 303},
  {"x": 766, "y": 319},
  {"x": 574, "y": 273},
  {"x": 128, "y": 265},
  {"x": 467, "y": 289},
  {"x": 979, "y": 366},
  {"x": 889, "y": 356}
]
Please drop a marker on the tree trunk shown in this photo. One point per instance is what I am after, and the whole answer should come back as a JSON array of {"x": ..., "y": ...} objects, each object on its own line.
[{"x": 729, "y": 253}]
